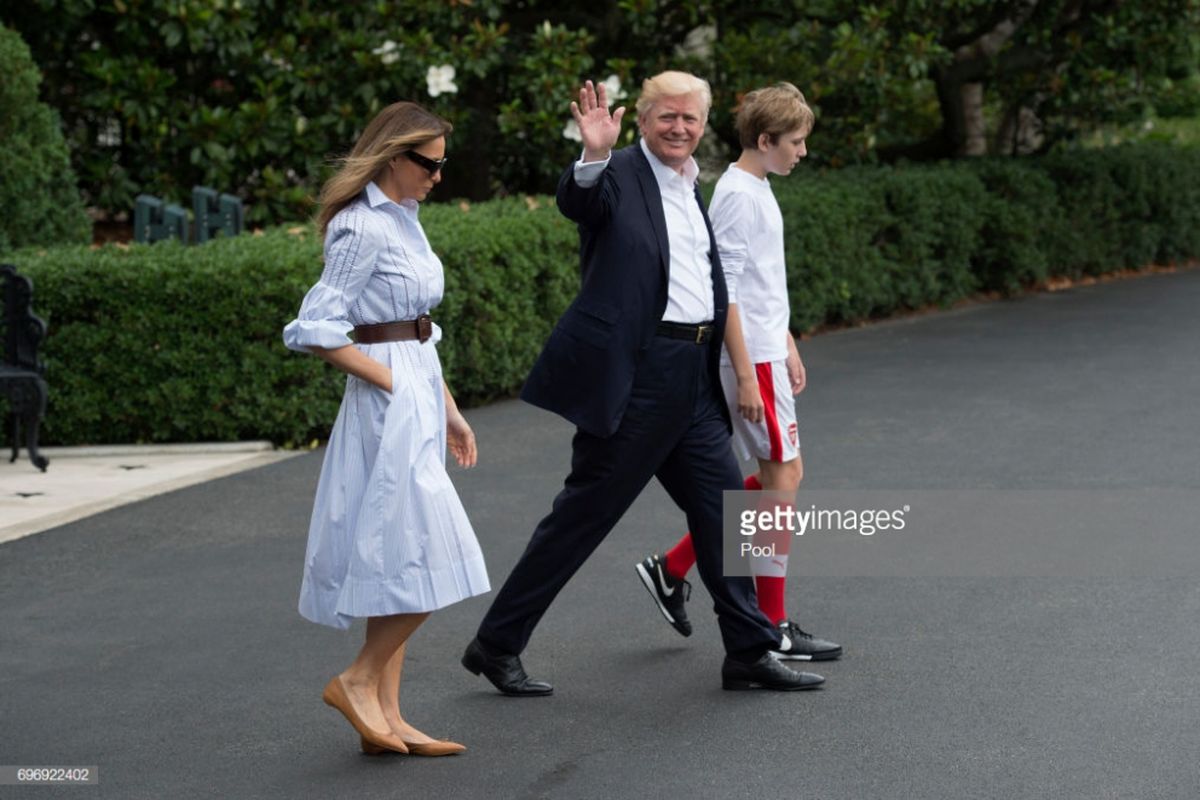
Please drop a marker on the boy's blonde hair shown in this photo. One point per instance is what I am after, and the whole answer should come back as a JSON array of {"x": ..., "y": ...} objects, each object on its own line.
[
  {"x": 775, "y": 110},
  {"x": 673, "y": 84}
]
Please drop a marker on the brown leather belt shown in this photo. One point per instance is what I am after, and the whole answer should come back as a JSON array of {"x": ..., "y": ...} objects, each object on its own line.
[
  {"x": 699, "y": 334},
  {"x": 420, "y": 329}
]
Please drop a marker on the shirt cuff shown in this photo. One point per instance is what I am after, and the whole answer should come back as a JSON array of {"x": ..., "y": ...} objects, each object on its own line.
[
  {"x": 301, "y": 334},
  {"x": 587, "y": 174}
]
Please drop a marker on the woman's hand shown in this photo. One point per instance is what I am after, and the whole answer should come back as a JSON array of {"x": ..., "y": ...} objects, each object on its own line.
[{"x": 460, "y": 438}]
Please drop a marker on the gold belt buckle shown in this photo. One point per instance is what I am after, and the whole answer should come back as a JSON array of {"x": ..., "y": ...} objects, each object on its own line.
[
  {"x": 702, "y": 331},
  {"x": 424, "y": 328}
]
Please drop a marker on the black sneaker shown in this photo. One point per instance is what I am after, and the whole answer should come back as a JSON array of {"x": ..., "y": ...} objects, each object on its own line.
[
  {"x": 668, "y": 593},
  {"x": 796, "y": 645}
]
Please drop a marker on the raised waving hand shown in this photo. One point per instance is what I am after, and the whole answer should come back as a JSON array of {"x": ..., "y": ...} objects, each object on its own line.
[{"x": 598, "y": 128}]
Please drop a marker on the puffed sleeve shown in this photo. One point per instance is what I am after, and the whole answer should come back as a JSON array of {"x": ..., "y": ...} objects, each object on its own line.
[
  {"x": 351, "y": 248},
  {"x": 733, "y": 222}
]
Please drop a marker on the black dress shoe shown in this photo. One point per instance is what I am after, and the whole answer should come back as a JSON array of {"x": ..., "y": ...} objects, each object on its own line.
[
  {"x": 766, "y": 673},
  {"x": 504, "y": 671}
]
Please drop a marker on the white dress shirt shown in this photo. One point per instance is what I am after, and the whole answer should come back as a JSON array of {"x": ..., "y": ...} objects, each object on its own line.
[{"x": 689, "y": 285}]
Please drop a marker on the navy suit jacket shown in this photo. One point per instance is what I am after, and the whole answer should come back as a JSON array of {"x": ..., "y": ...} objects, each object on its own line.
[{"x": 586, "y": 369}]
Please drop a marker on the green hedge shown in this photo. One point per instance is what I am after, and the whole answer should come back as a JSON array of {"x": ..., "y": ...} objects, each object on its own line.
[
  {"x": 160, "y": 343},
  {"x": 167, "y": 343},
  {"x": 868, "y": 242}
]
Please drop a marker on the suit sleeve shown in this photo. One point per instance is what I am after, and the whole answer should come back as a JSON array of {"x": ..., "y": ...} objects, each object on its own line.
[{"x": 587, "y": 193}]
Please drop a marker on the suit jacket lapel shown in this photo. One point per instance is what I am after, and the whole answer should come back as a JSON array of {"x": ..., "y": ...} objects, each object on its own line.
[{"x": 654, "y": 207}]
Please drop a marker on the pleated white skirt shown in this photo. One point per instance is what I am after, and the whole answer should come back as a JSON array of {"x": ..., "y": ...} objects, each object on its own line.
[{"x": 388, "y": 533}]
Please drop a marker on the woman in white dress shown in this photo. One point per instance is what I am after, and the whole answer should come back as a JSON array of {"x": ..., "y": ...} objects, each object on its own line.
[{"x": 389, "y": 540}]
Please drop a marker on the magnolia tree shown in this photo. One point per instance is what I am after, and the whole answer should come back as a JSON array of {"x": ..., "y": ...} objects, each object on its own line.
[{"x": 256, "y": 97}]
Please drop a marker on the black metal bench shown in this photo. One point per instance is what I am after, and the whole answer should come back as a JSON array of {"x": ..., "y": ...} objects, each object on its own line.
[{"x": 22, "y": 373}]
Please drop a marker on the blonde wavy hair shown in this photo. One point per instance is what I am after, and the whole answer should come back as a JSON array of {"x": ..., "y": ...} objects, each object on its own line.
[
  {"x": 396, "y": 129},
  {"x": 673, "y": 83}
]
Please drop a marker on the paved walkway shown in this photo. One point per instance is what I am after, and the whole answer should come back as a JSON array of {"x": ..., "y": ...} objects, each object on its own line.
[
  {"x": 159, "y": 641},
  {"x": 82, "y": 481}
]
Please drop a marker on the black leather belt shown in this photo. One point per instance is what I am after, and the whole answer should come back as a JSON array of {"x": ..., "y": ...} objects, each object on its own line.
[{"x": 700, "y": 333}]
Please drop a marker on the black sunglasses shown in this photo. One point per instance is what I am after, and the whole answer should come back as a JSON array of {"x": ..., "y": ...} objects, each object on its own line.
[{"x": 428, "y": 164}]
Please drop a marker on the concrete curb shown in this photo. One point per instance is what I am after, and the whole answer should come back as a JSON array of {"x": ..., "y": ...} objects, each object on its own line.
[
  {"x": 102, "y": 450},
  {"x": 69, "y": 502}
]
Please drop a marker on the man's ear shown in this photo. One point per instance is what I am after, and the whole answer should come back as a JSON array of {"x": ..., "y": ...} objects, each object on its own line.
[{"x": 764, "y": 142}]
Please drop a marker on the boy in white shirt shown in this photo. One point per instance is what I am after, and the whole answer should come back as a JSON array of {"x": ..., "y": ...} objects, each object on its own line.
[{"x": 761, "y": 369}]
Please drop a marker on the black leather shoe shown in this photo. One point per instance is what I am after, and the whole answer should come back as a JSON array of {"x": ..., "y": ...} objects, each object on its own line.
[
  {"x": 669, "y": 593},
  {"x": 796, "y": 645},
  {"x": 766, "y": 673},
  {"x": 504, "y": 671}
]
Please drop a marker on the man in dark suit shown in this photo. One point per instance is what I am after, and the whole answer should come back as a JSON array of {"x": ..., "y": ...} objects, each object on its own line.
[{"x": 633, "y": 363}]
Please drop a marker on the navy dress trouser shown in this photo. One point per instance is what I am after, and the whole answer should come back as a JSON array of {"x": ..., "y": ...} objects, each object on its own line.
[{"x": 674, "y": 430}]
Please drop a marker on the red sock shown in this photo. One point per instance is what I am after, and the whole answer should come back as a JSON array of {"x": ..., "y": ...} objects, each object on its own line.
[
  {"x": 770, "y": 597},
  {"x": 770, "y": 588},
  {"x": 682, "y": 557}
]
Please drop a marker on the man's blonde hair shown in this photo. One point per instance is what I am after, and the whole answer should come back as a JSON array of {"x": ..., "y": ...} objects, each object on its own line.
[
  {"x": 775, "y": 110},
  {"x": 673, "y": 84}
]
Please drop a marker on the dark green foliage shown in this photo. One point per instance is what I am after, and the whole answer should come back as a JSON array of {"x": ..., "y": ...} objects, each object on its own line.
[
  {"x": 158, "y": 343},
  {"x": 37, "y": 187},
  {"x": 166, "y": 343},
  {"x": 1022, "y": 232},
  {"x": 254, "y": 97}
]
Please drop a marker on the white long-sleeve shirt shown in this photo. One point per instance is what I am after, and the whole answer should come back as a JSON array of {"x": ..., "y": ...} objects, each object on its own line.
[{"x": 749, "y": 230}]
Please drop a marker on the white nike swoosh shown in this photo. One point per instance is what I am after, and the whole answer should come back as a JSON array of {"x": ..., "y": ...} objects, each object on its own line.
[{"x": 662, "y": 582}]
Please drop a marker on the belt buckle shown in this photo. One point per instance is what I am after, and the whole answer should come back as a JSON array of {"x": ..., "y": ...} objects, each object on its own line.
[
  {"x": 424, "y": 328},
  {"x": 702, "y": 332}
]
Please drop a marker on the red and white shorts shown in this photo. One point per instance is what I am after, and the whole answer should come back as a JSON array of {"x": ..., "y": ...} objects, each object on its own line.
[{"x": 776, "y": 437}]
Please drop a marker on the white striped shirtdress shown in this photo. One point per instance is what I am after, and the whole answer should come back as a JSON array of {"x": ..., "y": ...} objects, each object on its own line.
[{"x": 388, "y": 534}]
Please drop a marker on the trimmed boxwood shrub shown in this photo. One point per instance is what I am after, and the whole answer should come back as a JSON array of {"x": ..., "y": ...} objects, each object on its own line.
[
  {"x": 40, "y": 202},
  {"x": 159, "y": 343},
  {"x": 167, "y": 343}
]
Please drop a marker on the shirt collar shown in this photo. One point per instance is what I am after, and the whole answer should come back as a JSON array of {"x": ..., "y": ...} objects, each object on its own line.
[
  {"x": 376, "y": 198},
  {"x": 691, "y": 171}
]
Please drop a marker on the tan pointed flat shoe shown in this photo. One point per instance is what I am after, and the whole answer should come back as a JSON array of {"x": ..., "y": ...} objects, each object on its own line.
[
  {"x": 438, "y": 748},
  {"x": 335, "y": 695}
]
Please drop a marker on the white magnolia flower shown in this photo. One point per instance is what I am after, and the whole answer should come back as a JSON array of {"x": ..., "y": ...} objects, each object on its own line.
[
  {"x": 110, "y": 134},
  {"x": 612, "y": 86},
  {"x": 440, "y": 80},
  {"x": 698, "y": 42},
  {"x": 387, "y": 52},
  {"x": 278, "y": 61},
  {"x": 571, "y": 131}
]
